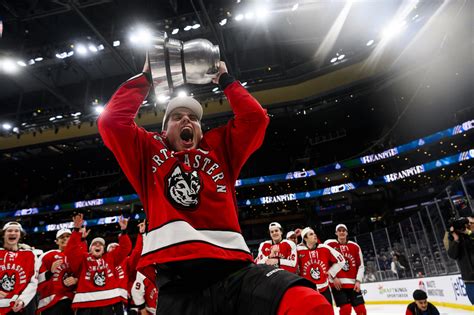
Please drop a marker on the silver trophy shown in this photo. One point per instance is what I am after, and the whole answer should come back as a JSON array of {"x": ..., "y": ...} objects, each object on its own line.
[{"x": 174, "y": 62}]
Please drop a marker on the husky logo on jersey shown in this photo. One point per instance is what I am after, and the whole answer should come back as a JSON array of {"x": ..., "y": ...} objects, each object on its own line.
[
  {"x": 99, "y": 279},
  {"x": 183, "y": 188},
  {"x": 346, "y": 266},
  {"x": 7, "y": 283},
  {"x": 315, "y": 273}
]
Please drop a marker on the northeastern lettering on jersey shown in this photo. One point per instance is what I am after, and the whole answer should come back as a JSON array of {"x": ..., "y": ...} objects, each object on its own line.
[
  {"x": 183, "y": 183},
  {"x": 11, "y": 273},
  {"x": 350, "y": 260}
]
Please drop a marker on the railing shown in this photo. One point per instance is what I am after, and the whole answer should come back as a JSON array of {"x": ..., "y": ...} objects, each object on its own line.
[{"x": 417, "y": 242}]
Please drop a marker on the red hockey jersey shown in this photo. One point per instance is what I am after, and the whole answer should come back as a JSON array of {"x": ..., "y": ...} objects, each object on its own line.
[
  {"x": 354, "y": 266},
  {"x": 97, "y": 285},
  {"x": 18, "y": 277},
  {"x": 315, "y": 264},
  {"x": 145, "y": 293},
  {"x": 51, "y": 288},
  {"x": 285, "y": 252},
  {"x": 188, "y": 196},
  {"x": 125, "y": 273}
]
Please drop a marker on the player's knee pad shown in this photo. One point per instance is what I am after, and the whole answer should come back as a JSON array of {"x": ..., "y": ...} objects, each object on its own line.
[
  {"x": 360, "y": 309},
  {"x": 345, "y": 309}
]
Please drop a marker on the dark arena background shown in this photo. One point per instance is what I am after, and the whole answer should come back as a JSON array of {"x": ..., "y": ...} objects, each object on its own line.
[{"x": 371, "y": 123}]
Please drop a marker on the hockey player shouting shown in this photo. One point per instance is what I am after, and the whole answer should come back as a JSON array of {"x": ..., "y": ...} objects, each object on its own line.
[{"x": 186, "y": 182}]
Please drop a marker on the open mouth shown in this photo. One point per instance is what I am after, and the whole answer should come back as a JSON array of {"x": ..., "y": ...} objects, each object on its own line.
[
  {"x": 12, "y": 238},
  {"x": 187, "y": 136}
]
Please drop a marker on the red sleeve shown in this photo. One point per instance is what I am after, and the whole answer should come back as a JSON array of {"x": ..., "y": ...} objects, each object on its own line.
[
  {"x": 244, "y": 133},
  {"x": 122, "y": 251},
  {"x": 74, "y": 252},
  {"x": 120, "y": 132},
  {"x": 408, "y": 312},
  {"x": 136, "y": 253}
]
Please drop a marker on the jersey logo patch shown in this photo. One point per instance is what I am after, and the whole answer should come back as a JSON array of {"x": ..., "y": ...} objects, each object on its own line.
[
  {"x": 183, "y": 188},
  {"x": 315, "y": 273},
  {"x": 346, "y": 266},
  {"x": 99, "y": 279},
  {"x": 7, "y": 283}
]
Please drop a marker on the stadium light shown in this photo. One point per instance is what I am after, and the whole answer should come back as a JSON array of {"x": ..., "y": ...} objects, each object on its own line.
[
  {"x": 21, "y": 63},
  {"x": 61, "y": 55},
  {"x": 295, "y": 7},
  {"x": 249, "y": 15},
  {"x": 187, "y": 28},
  {"x": 8, "y": 66},
  {"x": 100, "y": 47},
  {"x": 341, "y": 57},
  {"x": 99, "y": 109},
  {"x": 116, "y": 43},
  {"x": 162, "y": 98},
  {"x": 393, "y": 29},
  {"x": 141, "y": 37},
  {"x": 370, "y": 42},
  {"x": 333, "y": 60},
  {"x": 196, "y": 26},
  {"x": 38, "y": 59},
  {"x": 239, "y": 17},
  {"x": 81, "y": 49},
  {"x": 175, "y": 31},
  {"x": 223, "y": 22},
  {"x": 6, "y": 126},
  {"x": 92, "y": 48},
  {"x": 262, "y": 13}
]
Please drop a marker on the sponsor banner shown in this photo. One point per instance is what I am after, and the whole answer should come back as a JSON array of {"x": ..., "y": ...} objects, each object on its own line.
[{"x": 445, "y": 289}]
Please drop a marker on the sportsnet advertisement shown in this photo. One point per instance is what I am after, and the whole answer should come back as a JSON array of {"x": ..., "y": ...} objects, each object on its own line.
[{"x": 449, "y": 291}]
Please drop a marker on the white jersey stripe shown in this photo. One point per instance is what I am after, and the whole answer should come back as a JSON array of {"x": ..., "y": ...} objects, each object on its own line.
[
  {"x": 96, "y": 296},
  {"x": 45, "y": 301},
  {"x": 180, "y": 231}
]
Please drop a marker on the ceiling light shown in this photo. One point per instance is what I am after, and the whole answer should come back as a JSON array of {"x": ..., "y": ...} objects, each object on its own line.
[
  {"x": 100, "y": 47},
  {"x": 295, "y": 7},
  {"x": 38, "y": 59},
  {"x": 52, "y": 118},
  {"x": 142, "y": 36},
  {"x": 196, "y": 26},
  {"x": 59, "y": 116},
  {"x": 21, "y": 63},
  {"x": 31, "y": 62},
  {"x": 7, "y": 126},
  {"x": 223, "y": 22},
  {"x": 187, "y": 28},
  {"x": 393, "y": 29},
  {"x": 239, "y": 17},
  {"x": 215, "y": 89},
  {"x": 92, "y": 48},
  {"x": 16, "y": 130},
  {"x": 99, "y": 109},
  {"x": 61, "y": 55},
  {"x": 249, "y": 15},
  {"x": 244, "y": 83},
  {"x": 8, "y": 66},
  {"x": 370, "y": 42},
  {"x": 175, "y": 31},
  {"x": 341, "y": 57},
  {"x": 81, "y": 49},
  {"x": 162, "y": 98},
  {"x": 69, "y": 54},
  {"x": 116, "y": 43},
  {"x": 333, "y": 60}
]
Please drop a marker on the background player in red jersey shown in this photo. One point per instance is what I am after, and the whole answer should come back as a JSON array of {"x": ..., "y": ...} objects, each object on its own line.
[
  {"x": 277, "y": 251},
  {"x": 56, "y": 283},
  {"x": 18, "y": 274},
  {"x": 97, "y": 289},
  {"x": 317, "y": 262},
  {"x": 186, "y": 182},
  {"x": 346, "y": 285},
  {"x": 145, "y": 294}
]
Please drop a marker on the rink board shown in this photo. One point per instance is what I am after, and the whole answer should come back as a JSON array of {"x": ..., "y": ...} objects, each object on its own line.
[{"x": 448, "y": 291}]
